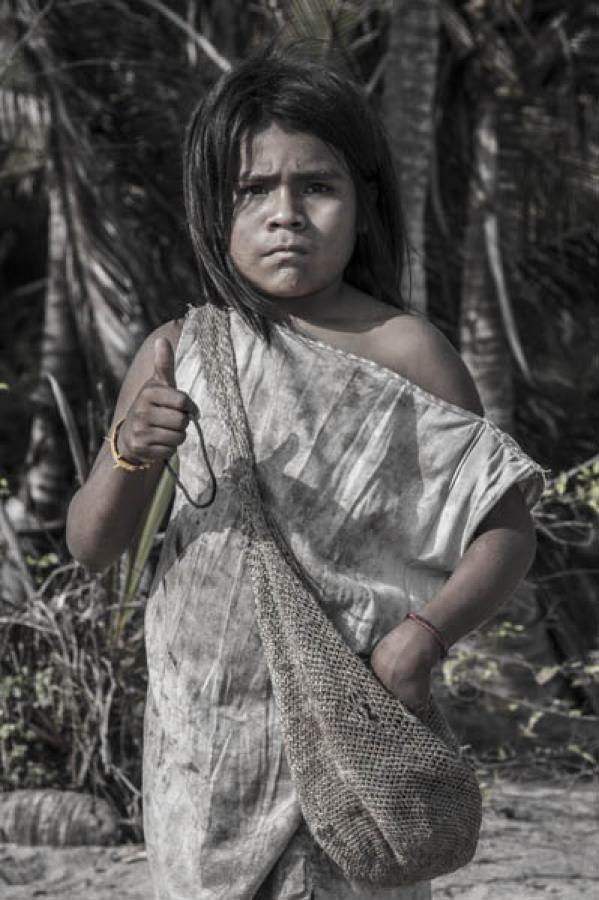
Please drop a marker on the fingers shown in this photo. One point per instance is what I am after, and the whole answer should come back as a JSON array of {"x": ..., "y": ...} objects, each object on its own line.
[
  {"x": 170, "y": 398},
  {"x": 164, "y": 362},
  {"x": 157, "y": 424},
  {"x": 155, "y": 452},
  {"x": 164, "y": 438},
  {"x": 166, "y": 415},
  {"x": 143, "y": 441}
]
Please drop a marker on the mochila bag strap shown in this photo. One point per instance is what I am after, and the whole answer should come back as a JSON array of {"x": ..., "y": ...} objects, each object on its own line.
[{"x": 386, "y": 794}]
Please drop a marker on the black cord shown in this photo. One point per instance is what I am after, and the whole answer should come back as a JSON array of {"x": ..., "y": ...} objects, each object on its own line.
[{"x": 195, "y": 420}]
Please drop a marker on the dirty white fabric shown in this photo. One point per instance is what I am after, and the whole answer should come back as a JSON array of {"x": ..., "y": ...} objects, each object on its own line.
[{"x": 377, "y": 486}]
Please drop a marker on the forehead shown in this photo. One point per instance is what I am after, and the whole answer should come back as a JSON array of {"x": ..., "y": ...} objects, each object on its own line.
[{"x": 274, "y": 148}]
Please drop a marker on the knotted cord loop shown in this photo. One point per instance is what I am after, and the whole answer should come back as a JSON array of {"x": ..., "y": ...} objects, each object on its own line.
[{"x": 196, "y": 421}]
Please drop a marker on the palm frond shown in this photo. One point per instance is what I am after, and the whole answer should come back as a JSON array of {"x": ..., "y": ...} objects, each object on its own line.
[
  {"x": 118, "y": 82},
  {"x": 70, "y": 426},
  {"x": 141, "y": 548},
  {"x": 24, "y": 118},
  {"x": 353, "y": 29},
  {"x": 11, "y": 540},
  {"x": 196, "y": 36}
]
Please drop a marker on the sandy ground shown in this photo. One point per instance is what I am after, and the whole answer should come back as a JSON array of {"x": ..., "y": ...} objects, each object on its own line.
[{"x": 538, "y": 840}]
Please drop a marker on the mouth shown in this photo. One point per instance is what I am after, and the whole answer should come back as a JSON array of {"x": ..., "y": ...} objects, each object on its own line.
[{"x": 282, "y": 249}]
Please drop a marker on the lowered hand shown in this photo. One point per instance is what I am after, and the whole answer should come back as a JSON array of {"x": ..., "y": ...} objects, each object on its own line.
[{"x": 402, "y": 661}]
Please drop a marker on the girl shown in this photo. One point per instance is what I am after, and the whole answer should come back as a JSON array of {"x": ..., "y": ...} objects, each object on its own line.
[{"x": 374, "y": 458}]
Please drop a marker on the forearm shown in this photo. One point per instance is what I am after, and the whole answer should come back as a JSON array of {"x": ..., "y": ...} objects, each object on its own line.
[
  {"x": 490, "y": 569},
  {"x": 106, "y": 511},
  {"x": 486, "y": 576}
]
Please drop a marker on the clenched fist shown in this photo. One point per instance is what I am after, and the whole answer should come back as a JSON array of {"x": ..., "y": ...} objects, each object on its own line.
[
  {"x": 157, "y": 419},
  {"x": 402, "y": 661}
]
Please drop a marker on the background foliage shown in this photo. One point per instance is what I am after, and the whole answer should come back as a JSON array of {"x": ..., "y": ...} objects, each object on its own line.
[{"x": 94, "y": 253}]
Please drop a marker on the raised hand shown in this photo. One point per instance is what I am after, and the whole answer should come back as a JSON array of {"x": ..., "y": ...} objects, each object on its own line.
[{"x": 157, "y": 419}]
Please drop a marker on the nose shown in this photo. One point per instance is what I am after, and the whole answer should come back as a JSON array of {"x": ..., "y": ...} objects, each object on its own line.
[{"x": 287, "y": 211}]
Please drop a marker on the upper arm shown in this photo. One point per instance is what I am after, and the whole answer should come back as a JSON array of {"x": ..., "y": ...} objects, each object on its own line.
[
  {"x": 510, "y": 511},
  {"x": 425, "y": 356}
]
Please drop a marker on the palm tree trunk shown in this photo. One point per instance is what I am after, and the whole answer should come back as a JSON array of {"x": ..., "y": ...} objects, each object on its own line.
[
  {"x": 482, "y": 338},
  {"x": 410, "y": 83},
  {"x": 47, "y": 461}
]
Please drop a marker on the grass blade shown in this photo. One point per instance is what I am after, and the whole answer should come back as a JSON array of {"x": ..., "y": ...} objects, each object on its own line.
[
  {"x": 140, "y": 550},
  {"x": 68, "y": 420},
  {"x": 12, "y": 542}
]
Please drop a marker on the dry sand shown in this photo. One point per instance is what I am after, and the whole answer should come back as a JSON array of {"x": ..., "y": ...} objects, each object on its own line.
[{"x": 538, "y": 840}]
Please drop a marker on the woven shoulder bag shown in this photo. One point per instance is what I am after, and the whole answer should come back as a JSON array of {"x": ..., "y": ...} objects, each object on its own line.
[{"x": 387, "y": 795}]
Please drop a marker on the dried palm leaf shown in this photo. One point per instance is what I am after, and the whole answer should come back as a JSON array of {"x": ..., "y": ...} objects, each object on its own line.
[
  {"x": 70, "y": 425},
  {"x": 118, "y": 82}
]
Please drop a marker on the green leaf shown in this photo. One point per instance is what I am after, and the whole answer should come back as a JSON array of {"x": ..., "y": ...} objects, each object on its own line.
[
  {"x": 43, "y": 562},
  {"x": 528, "y": 730},
  {"x": 545, "y": 674},
  {"x": 140, "y": 550},
  {"x": 574, "y": 748},
  {"x": 449, "y": 670}
]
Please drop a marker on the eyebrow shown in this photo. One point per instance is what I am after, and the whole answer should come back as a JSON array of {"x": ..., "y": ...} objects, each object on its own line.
[{"x": 321, "y": 174}]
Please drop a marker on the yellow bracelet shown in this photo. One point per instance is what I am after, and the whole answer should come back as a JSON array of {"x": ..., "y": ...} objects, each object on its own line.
[{"x": 119, "y": 461}]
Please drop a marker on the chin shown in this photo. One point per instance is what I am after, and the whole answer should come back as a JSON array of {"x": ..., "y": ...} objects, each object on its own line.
[{"x": 287, "y": 292}]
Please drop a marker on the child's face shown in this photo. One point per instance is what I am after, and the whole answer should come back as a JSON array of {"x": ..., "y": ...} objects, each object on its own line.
[{"x": 294, "y": 221}]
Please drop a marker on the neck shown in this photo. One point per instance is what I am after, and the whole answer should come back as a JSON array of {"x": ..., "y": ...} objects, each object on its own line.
[{"x": 327, "y": 306}]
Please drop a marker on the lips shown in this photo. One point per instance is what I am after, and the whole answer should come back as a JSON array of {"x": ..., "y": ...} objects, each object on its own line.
[{"x": 286, "y": 248}]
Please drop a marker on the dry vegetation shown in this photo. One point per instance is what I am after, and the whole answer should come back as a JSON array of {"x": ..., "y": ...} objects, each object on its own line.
[{"x": 94, "y": 254}]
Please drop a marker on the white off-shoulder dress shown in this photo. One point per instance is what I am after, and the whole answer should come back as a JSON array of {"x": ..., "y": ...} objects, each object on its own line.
[{"x": 378, "y": 487}]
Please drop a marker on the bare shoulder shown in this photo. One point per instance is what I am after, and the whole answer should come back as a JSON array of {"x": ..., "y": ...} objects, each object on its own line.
[
  {"x": 416, "y": 349},
  {"x": 170, "y": 330},
  {"x": 143, "y": 361}
]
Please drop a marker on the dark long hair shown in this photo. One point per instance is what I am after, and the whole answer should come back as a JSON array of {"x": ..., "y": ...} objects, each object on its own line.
[{"x": 300, "y": 95}]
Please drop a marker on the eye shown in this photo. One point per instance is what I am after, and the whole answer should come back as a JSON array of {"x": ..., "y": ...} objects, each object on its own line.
[
  {"x": 318, "y": 187},
  {"x": 251, "y": 190}
]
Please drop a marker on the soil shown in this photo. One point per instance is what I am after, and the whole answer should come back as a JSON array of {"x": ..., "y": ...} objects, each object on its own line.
[{"x": 538, "y": 840}]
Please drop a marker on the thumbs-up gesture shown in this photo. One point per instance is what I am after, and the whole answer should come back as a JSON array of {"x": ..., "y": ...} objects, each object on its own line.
[{"x": 158, "y": 417}]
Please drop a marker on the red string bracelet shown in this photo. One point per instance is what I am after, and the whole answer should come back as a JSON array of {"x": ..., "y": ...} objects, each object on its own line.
[{"x": 432, "y": 629}]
